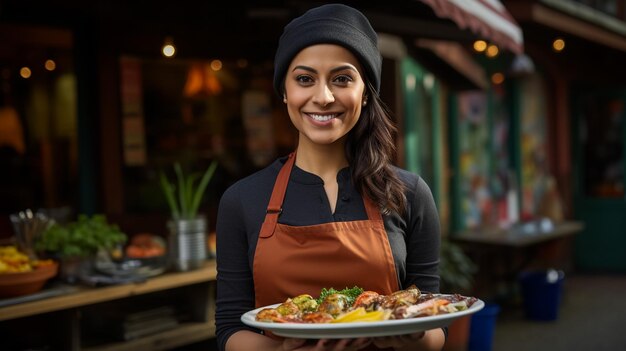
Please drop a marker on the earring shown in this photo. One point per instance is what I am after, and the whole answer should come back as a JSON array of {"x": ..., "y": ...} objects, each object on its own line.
[
  {"x": 284, "y": 99},
  {"x": 364, "y": 102}
]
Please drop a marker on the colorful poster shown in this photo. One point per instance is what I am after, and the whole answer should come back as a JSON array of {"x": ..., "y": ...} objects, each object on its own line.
[
  {"x": 533, "y": 148},
  {"x": 476, "y": 203}
]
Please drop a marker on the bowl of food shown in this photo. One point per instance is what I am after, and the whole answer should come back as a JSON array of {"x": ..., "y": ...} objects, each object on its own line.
[
  {"x": 20, "y": 275},
  {"x": 144, "y": 256}
]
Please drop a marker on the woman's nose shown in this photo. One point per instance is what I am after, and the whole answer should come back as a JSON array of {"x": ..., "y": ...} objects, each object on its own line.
[{"x": 323, "y": 95}]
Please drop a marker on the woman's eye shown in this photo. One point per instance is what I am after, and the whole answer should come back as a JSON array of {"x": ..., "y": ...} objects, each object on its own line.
[
  {"x": 304, "y": 79},
  {"x": 343, "y": 79}
]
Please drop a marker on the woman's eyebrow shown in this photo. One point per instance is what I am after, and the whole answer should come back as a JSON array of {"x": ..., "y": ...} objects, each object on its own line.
[
  {"x": 341, "y": 68},
  {"x": 306, "y": 68},
  {"x": 336, "y": 69}
]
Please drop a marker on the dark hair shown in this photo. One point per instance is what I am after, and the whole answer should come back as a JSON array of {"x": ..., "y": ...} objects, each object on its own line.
[{"x": 370, "y": 149}]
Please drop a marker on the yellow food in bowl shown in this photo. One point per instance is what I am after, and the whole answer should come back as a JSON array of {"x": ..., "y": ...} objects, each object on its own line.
[{"x": 14, "y": 261}]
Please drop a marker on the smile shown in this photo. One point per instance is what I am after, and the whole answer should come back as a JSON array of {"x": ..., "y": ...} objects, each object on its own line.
[{"x": 322, "y": 118}]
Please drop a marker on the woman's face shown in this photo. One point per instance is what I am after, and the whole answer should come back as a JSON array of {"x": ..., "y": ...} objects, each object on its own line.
[{"x": 324, "y": 93}]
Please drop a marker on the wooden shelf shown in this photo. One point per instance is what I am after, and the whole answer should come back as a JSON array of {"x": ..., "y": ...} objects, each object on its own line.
[
  {"x": 185, "y": 334},
  {"x": 86, "y": 296},
  {"x": 80, "y": 301}
]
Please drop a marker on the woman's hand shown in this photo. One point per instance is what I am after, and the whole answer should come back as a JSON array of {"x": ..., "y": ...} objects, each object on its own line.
[
  {"x": 397, "y": 342},
  {"x": 431, "y": 340},
  {"x": 325, "y": 344}
]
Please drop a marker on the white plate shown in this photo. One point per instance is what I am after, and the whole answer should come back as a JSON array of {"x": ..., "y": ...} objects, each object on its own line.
[{"x": 357, "y": 329}]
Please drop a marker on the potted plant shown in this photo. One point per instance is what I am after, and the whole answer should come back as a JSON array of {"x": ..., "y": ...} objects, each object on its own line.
[
  {"x": 456, "y": 270},
  {"x": 76, "y": 243},
  {"x": 187, "y": 230}
]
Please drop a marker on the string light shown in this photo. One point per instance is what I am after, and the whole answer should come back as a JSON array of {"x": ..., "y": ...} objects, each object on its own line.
[
  {"x": 25, "y": 72},
  {"x": 216, "y": 65},
  {"x": 492, "y": 51},
  {"x": 480, "y": 45},
  {"x": 497, "y": 78},
  {"x": 50, "y": 65},
  {"x": 168, "y": 49},
  {"x": 558, "y": 45}
]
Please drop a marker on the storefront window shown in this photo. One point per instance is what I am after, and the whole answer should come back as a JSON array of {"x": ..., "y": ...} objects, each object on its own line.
[
  {"x": 193, "y": 112},
  {"x": 38, "y": 138}
]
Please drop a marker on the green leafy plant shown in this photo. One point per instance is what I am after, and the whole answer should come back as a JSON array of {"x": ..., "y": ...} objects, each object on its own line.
[
  {"x": 456, "y": 269},
  {"x": 351, "y": 293},
  {"x": 81, "y": 238},
  {"x": 184, "y": 198}
]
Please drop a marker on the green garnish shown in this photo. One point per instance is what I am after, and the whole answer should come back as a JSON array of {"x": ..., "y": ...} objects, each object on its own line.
[{"x": 350, "y": 293}]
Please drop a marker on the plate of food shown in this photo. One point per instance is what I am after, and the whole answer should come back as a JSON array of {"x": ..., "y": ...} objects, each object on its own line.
[{"x": 354, "y": 313}]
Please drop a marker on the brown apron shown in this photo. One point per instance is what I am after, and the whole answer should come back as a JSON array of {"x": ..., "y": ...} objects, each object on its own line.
[{"x": 290, "y": 261}]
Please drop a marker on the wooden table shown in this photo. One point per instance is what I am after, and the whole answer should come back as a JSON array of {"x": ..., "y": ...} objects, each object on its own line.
[
  {"x": 502, "y": 254},
  {"x": 519, "y": 236}
]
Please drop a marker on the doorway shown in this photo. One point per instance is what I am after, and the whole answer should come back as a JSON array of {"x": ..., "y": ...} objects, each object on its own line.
[{"x": 600, "y": 199}]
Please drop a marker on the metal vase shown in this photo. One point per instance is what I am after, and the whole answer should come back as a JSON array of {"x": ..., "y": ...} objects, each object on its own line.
[{"x": 187, "y": 243}]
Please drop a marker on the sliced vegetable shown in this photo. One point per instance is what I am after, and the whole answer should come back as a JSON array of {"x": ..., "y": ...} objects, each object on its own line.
[
  {"x": 350, "y": 316},
  {"x": 360, "y": 315}
]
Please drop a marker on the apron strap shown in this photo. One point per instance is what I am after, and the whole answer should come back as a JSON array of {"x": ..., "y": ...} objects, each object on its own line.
[
  {"x": 373, "y": 212},
  {"x": 275, "y": 206}
]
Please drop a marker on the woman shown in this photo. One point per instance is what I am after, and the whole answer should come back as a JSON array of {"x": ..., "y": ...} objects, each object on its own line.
[{"x": 335, "y": 213}]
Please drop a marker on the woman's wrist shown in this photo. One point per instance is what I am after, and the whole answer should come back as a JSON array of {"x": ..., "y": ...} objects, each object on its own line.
[
  {"x": 245, "y": 340},
  {"x": 433, "y": 340}
]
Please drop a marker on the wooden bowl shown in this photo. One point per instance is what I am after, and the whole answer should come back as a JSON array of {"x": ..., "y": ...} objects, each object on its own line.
[{"x": 18, "y": 284}]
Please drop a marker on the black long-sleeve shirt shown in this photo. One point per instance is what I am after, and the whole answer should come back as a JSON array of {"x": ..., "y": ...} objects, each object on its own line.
[{"x": 414, "y": 237}]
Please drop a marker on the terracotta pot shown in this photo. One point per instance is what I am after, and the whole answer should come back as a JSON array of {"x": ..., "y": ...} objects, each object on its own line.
[{"x": 458, "y": 334}]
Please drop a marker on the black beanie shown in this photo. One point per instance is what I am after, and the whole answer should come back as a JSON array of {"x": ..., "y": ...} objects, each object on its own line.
[{"x": 329, "y": 24}]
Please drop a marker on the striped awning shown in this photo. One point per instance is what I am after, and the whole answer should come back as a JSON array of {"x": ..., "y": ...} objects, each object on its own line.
[{"x": 488, "y": 19}]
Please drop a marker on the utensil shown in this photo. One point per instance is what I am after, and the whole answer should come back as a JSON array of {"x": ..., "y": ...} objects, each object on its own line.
[{"x": 28, "y": 227}]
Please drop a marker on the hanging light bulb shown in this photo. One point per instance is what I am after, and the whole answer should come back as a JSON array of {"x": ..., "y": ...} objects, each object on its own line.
[
  {"x": 216, "y": 65},
  {"x": 50, "y": 65},
  {"x": 497, "y": 78},
  {"x": 25, "y": 72},
  {"x": 492, "y": 51},
  {"x": 558, "y": 45},
  {"x": 480, "y": 45},
  {"x": 168, "y": 49}
]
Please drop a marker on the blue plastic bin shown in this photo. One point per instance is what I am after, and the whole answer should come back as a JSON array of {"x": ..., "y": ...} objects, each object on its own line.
[
  {"x": 541, "y": 294},
  {"x": 482, "y": 328}
]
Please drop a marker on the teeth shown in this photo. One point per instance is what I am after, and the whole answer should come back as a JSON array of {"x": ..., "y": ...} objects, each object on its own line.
[{"x": 322, "y": 118}]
